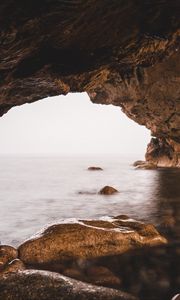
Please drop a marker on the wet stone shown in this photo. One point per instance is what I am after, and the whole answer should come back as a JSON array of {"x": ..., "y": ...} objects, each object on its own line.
[
  {"x": 42, "y": 285},
  {"x": 82, "y": 239},
  {"x": 108, "y": 190}
]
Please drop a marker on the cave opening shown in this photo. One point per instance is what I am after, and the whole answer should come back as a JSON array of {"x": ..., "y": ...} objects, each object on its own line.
[
  {"x": 45, "y": 150},
  {"x": 69, "y": 125}
]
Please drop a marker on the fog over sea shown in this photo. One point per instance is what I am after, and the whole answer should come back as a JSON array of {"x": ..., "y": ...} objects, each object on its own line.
[{"x": 37, "y": 190}]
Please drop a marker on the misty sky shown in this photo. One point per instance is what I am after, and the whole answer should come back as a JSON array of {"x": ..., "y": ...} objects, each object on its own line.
[{"x": 70, "y": 125}]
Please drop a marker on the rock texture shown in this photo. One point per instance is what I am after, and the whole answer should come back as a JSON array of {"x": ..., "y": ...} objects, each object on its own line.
[
  {"x": 163, "y": 153},
  {"x": 12, "y": 267},
  {"x": 108, "y": 190},
  {"x": 36, "y": 285},
  {"x": 7, "y": 254},
  {"x": 124, "y": 53},
  {"x": 151, "y": 273},
  {"x": 77, "y": 240}
]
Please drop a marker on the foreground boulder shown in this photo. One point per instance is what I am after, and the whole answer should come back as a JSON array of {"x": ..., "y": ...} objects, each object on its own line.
[
  {"x": 108, "y": 190},
  {"x": 81, "y": 239},
  {"x": 41, "y": 285},
  {"x": 150, "y": 273}
]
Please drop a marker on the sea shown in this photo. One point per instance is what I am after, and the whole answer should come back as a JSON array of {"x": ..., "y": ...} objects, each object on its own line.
[{"x": 37, "y": 190}]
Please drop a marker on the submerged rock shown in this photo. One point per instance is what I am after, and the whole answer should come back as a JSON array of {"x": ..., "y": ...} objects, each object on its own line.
[
  {"x": 73, "y": 240},
  {"x": 108, "y": 190},
  {"x": 146, "y": 166},
  {"x": 7, "y": 254},
  {"x": 41, "y": 285},
  {"x": 95, "y": 169},
  {"x": 138, "y": 163}
]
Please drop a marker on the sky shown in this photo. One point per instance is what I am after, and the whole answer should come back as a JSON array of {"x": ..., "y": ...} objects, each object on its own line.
[{"x": 70, "y": 124}]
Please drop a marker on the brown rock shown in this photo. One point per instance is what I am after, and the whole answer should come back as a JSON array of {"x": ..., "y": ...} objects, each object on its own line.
[
  {"x": 7, "y": 254},
  {"x": 95, "y": 169},
  {"x": 139, "y": 163},
  {"x": 163, "y": 152},
  {"x": 108, "y": 190},
  {"x": 14, "y": 266},
  {"x": 41, "y": 285},
  {"x": 86, "y": 239},
  {"x": 74, "y": 273},
  {"x": 147, "y": 166},
  {"x": 102, "y": 276}
]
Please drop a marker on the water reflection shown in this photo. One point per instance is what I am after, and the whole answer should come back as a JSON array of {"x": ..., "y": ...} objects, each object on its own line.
[{"x": 167, "y": 195}]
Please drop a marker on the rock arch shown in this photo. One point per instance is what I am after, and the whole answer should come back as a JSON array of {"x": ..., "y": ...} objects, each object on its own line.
[{"x": 124, "y": 53}]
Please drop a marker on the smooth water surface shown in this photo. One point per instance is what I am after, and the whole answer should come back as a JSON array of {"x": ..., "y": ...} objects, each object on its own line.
[{"x": 35, "y": 191}]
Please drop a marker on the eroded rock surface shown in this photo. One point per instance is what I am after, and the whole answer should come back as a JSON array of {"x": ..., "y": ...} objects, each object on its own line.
[
  {"x": 124, "y": 53},
  {"x": 35, "y": 285},
  {"x": 163, "y": 153},
  {"x": 78, "y": 240}
]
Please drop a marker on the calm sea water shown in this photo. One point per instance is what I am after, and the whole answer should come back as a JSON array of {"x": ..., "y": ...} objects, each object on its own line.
[{"x": 35, "y": 191}]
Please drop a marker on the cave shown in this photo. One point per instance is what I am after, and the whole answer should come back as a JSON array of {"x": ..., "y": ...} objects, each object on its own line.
[
  {"x": 124, "y": 53},
  {"x": 121, "y": 53}
]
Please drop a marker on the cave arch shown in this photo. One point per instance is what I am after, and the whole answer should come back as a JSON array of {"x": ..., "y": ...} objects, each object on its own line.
[{"x": 124, "y": 53}]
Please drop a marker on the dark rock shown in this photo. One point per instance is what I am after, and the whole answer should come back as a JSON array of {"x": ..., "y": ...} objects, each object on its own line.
[
  {"x": 87, "y": 192},
  {"x": 108, "y": 190},
  {"x": 41, "y": 285},
  {"x": 150, "y": 273},
  {"x": 86, "y": 239},
  {"x": 95, "y": 169},
  {"x": 102, "y": 276}
]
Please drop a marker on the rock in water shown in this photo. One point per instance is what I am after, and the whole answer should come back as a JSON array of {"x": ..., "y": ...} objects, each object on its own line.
[
  {"x": 73, "y": 240},
  {"x": 108, "y": 190},
  {"x": 138, "y": 163},
  {"x": 95, "y": 169},
  {"x": 41, "y": 285}
]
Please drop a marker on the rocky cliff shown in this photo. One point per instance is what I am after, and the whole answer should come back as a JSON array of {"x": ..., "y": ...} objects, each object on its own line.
[{"x": 124, "y": 53}]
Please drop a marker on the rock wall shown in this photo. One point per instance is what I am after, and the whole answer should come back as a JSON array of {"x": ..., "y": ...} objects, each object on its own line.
[{"x": 124, "y": 53}]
